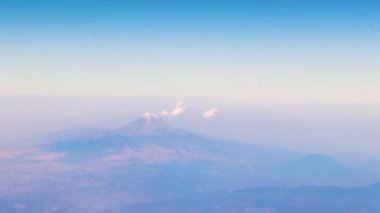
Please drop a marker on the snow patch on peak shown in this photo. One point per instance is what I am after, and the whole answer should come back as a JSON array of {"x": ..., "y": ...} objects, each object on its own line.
[{"x": 150, "y": 117}]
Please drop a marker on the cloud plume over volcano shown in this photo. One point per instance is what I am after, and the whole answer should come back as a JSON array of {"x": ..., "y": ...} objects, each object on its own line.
[{"x": 178, "y": 109}]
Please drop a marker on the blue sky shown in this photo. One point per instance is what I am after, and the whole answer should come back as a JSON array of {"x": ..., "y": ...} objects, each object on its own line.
[{"x": 236, "y": 50}]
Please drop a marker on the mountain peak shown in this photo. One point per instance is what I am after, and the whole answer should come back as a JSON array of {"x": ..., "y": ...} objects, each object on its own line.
[
  {"x": 151, "y": 117},
  {"x": 147, "y": 124}
]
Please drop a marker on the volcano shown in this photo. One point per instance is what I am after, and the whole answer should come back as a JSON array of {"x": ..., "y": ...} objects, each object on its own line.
[
  {"x": 147, "y": 136},
  {"x": 150, "y": 138}
]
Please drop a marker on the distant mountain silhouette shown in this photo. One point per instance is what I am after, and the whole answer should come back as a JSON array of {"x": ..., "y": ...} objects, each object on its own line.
[
  {"x": 150, "y": 134},
  {"x": 317, "y": 164},
  {"x": 150, "y": 141},
  {"x": 319, "y": 169}
]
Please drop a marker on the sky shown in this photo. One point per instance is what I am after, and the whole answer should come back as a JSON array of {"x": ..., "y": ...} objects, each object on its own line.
[
  {"x": 288, "y": 50},
  {"x": 293, "y": 73}
]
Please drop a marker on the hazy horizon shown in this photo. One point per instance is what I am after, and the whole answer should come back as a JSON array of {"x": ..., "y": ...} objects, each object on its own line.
[{"x": 309, "y": 127}]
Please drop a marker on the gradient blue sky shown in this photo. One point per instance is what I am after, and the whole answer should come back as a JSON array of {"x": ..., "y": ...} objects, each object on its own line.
[{"x": 284, "y": 50}]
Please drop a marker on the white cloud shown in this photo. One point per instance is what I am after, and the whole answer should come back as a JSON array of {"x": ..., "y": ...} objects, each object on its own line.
[
  {"x": 210, "y": 113},
  {"x": 178, "y": 109}
]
